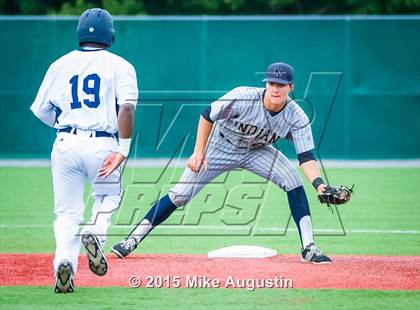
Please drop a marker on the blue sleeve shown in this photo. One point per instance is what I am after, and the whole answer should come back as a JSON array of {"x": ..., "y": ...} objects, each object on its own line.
[
  {"x": 206, "y": 114},
  {"x": 306, "y": 156}
]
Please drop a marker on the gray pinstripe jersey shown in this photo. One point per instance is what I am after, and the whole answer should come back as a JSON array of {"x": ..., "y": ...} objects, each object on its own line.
[
  {"x": 243, "y": 133},
  {"x": 241, "y": 118}
]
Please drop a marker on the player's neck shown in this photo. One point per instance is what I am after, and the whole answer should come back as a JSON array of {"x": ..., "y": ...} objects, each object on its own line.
[
  {"x": 272, "y": 107},
  {"x": 95, "y": 45}
]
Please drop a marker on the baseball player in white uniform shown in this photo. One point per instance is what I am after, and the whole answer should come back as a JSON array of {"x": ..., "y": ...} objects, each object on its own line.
[
  {"x": 237, "y": 131},
  {"x": 89, "y": 95}
]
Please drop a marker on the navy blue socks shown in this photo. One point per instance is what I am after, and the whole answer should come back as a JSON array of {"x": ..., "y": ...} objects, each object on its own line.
[{"x": 299, "y": 207}]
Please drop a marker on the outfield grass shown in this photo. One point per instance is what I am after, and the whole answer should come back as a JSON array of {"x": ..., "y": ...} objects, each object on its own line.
[
  {"x": 229, "y": 299},
  {"x": 385, "y": 200}
]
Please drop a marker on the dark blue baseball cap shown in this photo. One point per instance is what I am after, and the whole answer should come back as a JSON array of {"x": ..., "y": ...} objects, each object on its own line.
[{"x": 279, "y": 72}]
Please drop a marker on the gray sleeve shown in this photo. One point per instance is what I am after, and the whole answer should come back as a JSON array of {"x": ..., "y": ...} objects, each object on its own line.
[
  {"x": 301, "y": 135},
  {"x": 225, "y": 106}
]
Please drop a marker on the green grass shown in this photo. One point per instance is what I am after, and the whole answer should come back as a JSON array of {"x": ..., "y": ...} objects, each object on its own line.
[
  {"x": 385, "y": 199},
  {"x": 230, "y": 299}
]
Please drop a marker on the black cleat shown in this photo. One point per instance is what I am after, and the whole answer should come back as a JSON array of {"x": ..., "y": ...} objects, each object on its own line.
[
  {"x": 311, "y": 254},
  {"x": 97, "y": 260},
  {"x": 64, "y": 278},
  {"x": 125, "y": 247}
]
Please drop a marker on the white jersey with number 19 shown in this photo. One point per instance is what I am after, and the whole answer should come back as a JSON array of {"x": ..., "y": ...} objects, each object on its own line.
[{"x": 84, "y": 88}]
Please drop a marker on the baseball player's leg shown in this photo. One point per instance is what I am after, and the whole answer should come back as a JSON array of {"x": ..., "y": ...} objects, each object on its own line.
[
  {"x": 271, "y": 164},
  {"x": 107, "y": 195},
  {"x": 103, "y": 209},
  {"x": 106, "y": 192},
  {"x": 68, "y": 183},
  {"x": 188, "y": 186}
]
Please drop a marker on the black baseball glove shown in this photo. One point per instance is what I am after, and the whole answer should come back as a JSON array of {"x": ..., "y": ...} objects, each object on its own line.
[{"x": 335, "y": 195}]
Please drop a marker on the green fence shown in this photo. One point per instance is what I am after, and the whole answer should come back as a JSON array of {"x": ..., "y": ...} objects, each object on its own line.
[{"x": 185, "y": 62}]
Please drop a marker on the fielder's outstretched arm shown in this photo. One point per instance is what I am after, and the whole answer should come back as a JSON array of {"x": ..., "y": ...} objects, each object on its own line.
[
  {"x": 199, "y": 156},
  {"x": 311, "y": 171},
  {"x": 304, "y": 145}
]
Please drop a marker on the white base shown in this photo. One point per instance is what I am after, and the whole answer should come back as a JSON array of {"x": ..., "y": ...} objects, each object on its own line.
[{"x": 242, "y": 251}]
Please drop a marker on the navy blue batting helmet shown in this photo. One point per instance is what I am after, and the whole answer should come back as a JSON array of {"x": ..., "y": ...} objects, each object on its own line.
[{"x": 96, "y": 25}]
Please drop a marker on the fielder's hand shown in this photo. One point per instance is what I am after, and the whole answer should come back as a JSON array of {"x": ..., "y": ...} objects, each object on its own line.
[
  {"x": 195, "y": 162},
  {"x": 321, "y": 189},
  {"x": 112, "y": 162}
]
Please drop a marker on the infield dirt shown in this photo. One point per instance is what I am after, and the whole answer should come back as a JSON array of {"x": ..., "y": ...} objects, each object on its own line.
[{"x": 346, "y": 271}]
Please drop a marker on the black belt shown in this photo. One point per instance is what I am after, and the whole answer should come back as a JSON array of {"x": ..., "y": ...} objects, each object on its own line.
[{"x": 98, "y": 134}]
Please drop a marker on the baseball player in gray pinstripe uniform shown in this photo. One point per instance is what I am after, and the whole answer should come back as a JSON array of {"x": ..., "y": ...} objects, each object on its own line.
[{"x": 237, "y": 131}]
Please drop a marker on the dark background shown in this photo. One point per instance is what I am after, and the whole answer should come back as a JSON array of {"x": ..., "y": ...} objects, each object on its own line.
[{"x": 211, "y": 7}]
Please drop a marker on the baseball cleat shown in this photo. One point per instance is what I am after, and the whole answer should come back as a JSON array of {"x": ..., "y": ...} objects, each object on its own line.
[
  {"x": 64, "y": 278},
  {"x": 311, "y": 254},
  {"x": 125, "y": 247},
  {"x": 97, "y": 261}
]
